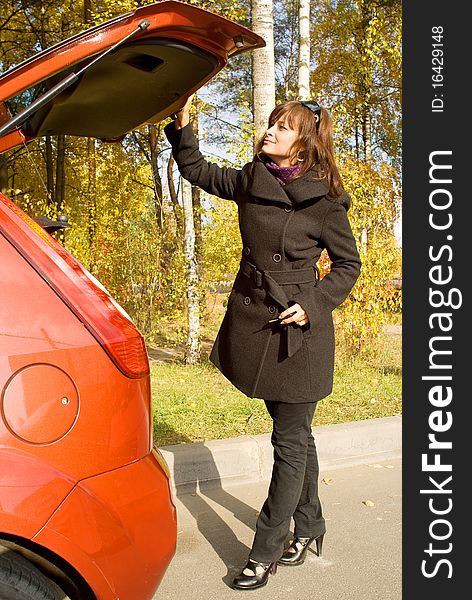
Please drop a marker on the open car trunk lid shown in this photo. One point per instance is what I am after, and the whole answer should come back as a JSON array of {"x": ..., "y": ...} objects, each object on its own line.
[{"x": 174, "y": 50}]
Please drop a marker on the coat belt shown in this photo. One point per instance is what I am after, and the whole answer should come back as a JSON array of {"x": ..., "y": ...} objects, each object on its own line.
[{"x": 273, "y": 283}]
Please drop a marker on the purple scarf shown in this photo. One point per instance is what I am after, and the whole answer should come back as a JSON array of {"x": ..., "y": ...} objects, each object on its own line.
[{"x": 283, "y": 174}]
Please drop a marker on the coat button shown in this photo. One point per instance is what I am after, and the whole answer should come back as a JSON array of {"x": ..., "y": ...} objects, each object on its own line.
[
  {"x": 288, "y": 209},
  {"x": 247, "y": 250},
  {"x": 247, "y": 300},
  {"x": 277, "y": 257},
  {"x": 272, "y": 309}
]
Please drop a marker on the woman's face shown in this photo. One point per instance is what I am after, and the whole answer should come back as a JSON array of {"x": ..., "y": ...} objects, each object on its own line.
[{"x": 278, "y": 142}]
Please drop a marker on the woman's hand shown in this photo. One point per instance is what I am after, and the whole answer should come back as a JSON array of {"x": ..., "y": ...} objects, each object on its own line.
[
  {"x": 183, "y": 115},
  {"x": 299, "y": 316}
]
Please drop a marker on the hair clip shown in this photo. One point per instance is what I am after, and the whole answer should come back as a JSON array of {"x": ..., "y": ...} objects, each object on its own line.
[{"x": 313, "y": 106}]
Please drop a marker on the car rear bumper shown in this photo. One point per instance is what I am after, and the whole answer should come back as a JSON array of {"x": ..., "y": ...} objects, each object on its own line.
[{"x": 118, "y": 530}]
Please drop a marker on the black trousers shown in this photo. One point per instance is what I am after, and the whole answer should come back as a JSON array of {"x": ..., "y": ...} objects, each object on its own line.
[{"x": 293, "y": 489}]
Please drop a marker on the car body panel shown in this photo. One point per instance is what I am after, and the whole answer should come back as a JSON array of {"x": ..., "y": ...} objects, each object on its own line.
[
  {"x": 142, "y": 80},
  {"x": 100, "y": 462},
  {"x": 115, "y": 524},
  {"x": 30, "y": 491},
  {"x": 145, "y": 80},
  {"x": 113, "y": 413}
]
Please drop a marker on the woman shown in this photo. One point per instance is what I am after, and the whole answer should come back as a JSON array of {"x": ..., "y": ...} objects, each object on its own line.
[{"x": 276, "y": 341}]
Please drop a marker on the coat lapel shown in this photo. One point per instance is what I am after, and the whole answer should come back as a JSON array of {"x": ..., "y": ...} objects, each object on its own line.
[
  {"x": 306, "y": 187},
  {"x": 264, "y": 187}
]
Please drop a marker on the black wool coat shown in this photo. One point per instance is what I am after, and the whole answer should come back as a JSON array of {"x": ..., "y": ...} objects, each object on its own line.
[{"x": 284, "y": 230}]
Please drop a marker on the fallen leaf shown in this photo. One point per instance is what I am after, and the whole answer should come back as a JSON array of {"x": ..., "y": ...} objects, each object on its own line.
[
  {"x": 368, "y": 502},
  {"x": 327, "y": 480}
]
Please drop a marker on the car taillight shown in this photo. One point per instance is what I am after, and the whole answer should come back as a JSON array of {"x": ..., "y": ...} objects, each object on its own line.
[{"x": 85, "y": 296}]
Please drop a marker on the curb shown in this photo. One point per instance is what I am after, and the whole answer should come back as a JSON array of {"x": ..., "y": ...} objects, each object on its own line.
[{"x": 248, "y": 459}]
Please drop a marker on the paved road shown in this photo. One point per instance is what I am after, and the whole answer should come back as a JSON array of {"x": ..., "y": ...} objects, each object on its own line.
[{"x": 362, "y": 548}]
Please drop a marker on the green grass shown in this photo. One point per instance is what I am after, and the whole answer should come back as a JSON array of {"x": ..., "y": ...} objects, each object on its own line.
[{"x": 193, "y": 403}]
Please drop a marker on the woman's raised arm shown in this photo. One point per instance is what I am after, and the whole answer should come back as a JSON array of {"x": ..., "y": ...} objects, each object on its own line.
[{"x": 216, "y": 180}]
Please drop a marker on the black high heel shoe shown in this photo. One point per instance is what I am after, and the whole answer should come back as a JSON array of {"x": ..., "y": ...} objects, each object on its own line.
[
  {"x": 296, "y": 552},
  {"x": 254, "y": 575}
]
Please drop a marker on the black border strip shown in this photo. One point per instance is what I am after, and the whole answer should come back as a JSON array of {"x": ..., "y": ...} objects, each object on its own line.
[{"x": 435, "y": 234}]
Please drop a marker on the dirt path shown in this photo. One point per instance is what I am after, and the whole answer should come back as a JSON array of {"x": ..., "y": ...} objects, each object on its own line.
[{"x": 175, "y": 353}]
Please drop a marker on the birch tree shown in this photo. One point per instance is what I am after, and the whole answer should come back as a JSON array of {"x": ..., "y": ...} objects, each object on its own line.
[
  {"x": 263, "y": 78},
  {"x": 192, "y": 355},
  {"x": 304, "y": 50}
]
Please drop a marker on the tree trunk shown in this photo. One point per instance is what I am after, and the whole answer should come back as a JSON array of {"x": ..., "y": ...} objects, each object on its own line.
[
  {"x": 91, "y": 199},
  {"x": 192, "y": 355},
  {"x": 49, "y": 170},
  {"x": 304, "y": 50},
  {"x": 92, "y": 173},
  {"x": 59, "y": 194},
  {"x": 60, "y": 191},
  {"x": 356, "y": 133},
  {"x": 197, "y": 219},
  {"x": 87, "y": 11},
  {"x": 366, "y": 82},
  {"x": 156, "y": 178},
  {"x": 197, "y": 208},
  {"x": 173, "y": 196},
  {"x": 3, "y": 174},
  {"x": 367, "y": 132},
  {"x": 263, "y": 76}
]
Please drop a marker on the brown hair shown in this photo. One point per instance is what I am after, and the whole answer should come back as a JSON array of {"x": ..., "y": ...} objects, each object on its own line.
[{"x": 314, "y": 146}]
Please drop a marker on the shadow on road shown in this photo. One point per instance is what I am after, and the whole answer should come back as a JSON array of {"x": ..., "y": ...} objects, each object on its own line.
[{"x": 212, "y": 526}]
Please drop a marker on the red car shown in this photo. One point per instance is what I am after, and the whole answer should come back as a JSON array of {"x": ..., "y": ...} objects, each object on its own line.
[{"x": 85, "y": 505}]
